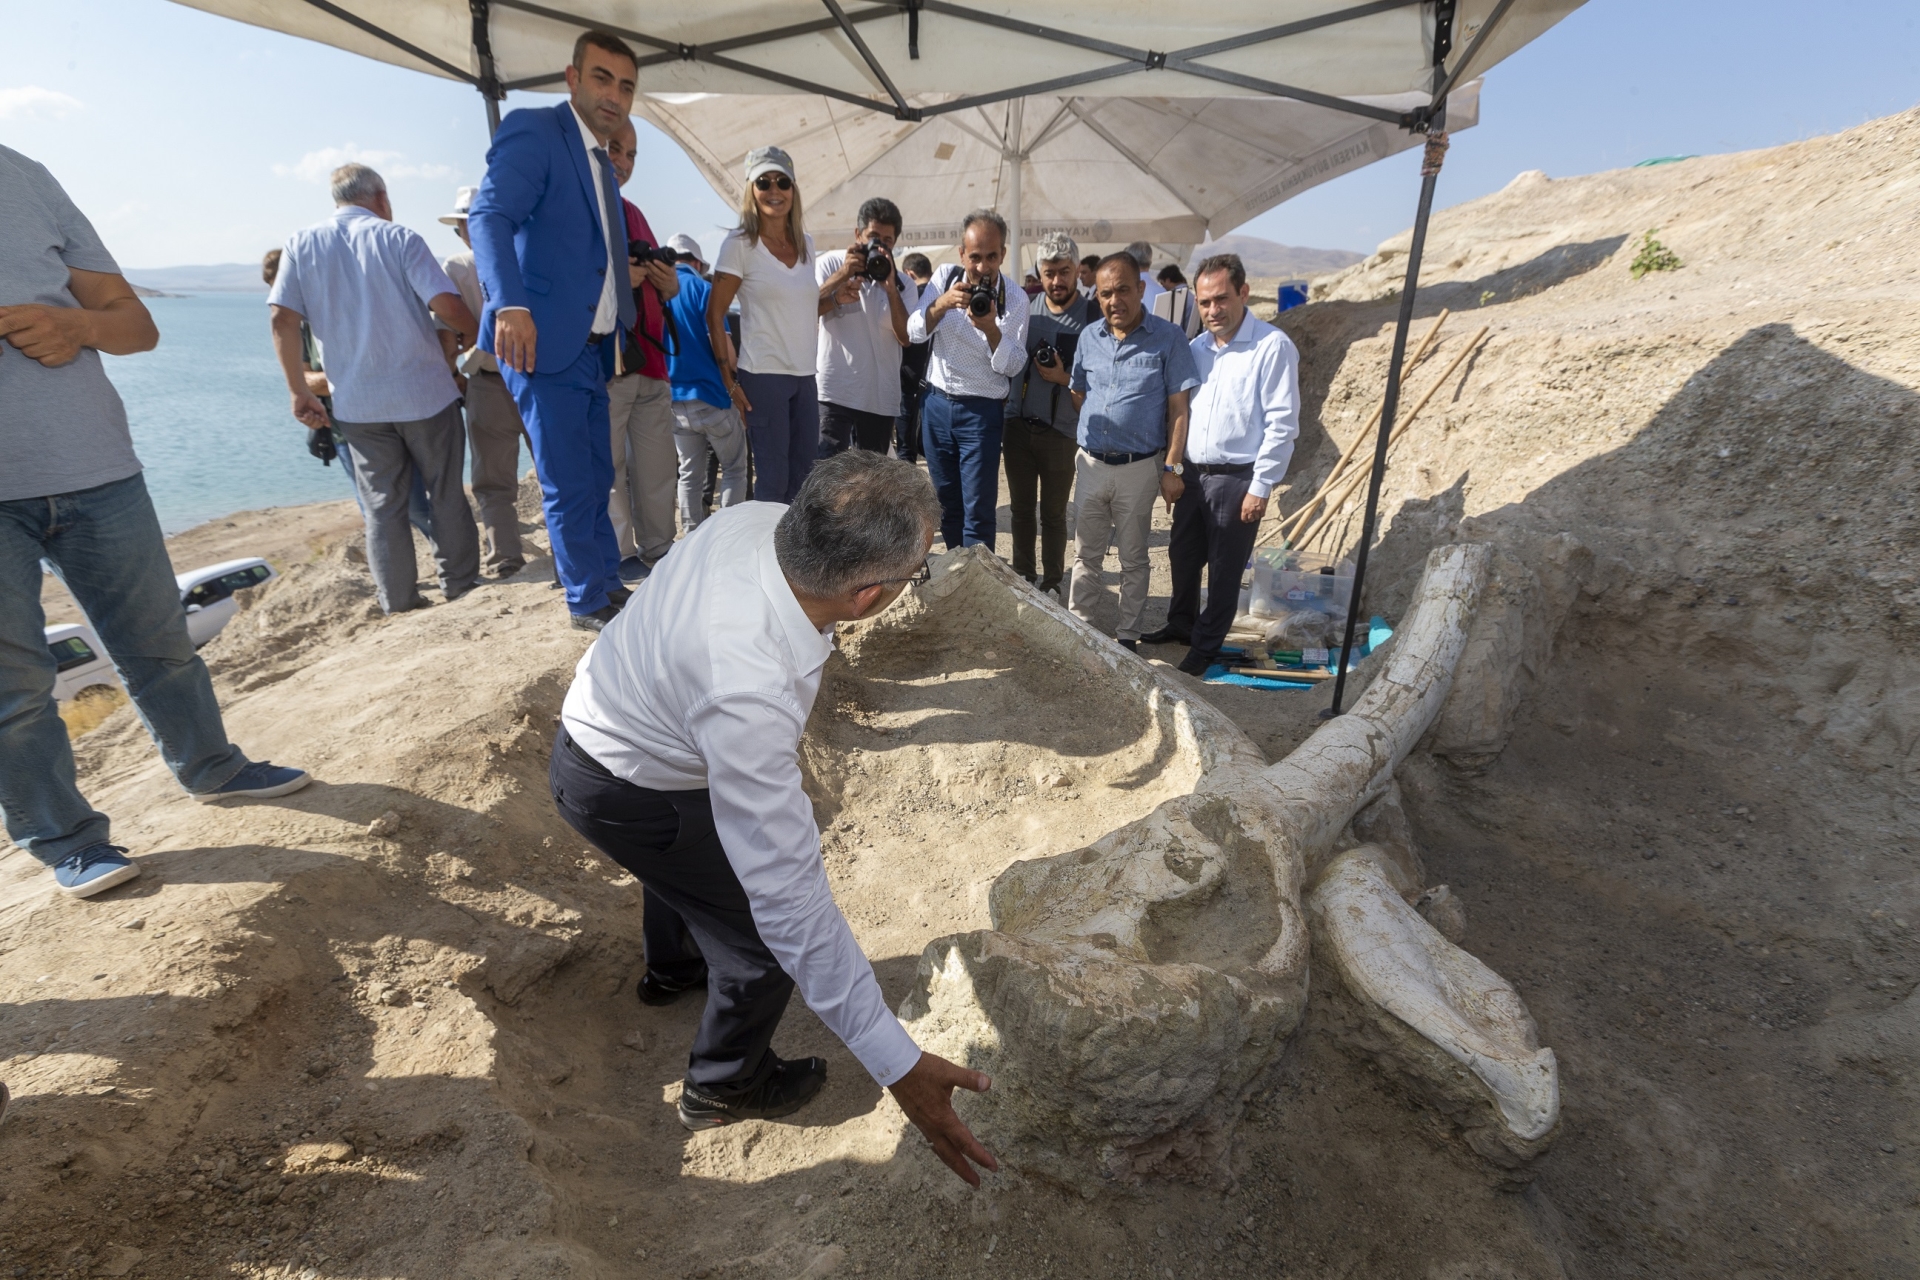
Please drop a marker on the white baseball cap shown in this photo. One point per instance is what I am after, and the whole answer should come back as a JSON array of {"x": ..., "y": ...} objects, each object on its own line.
[
  {"x": 687, "y": 246},
  {"x": 768, "y": 160},
  {"x": 462, "y": 201}
]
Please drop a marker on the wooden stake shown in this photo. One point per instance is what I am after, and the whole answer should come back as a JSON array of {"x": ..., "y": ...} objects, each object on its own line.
[
  {"x": 1399, "y": 429},
  {"x": 1289, "y": 524}
]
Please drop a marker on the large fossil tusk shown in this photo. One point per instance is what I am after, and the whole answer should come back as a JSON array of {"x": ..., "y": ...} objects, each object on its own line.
[{"x": 1132, "y": 991}]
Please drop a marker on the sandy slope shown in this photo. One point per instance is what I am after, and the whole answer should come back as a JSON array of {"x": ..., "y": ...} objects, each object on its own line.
[{"x": 415, "y": 1054}]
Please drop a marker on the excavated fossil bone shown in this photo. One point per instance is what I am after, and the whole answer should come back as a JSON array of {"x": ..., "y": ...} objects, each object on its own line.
[{"x": 1131, "y": 992}]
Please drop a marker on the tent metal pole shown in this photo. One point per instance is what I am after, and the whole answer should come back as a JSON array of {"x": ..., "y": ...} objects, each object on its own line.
[
  {"x": 489, "y": 80},
  {"x": 1390, "y": 401},
  {"x": 1016, "y": 122}
]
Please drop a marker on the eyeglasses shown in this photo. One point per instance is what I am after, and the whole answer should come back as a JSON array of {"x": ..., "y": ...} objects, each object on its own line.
[
  {"x": 768, "y": 181},
  {"x": 925, "y": 575}
]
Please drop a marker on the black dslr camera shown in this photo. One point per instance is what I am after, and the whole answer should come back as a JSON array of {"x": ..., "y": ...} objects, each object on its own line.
[
  {"x": 1046, "y": 355},
  {"x": 640, "y": 254},
  {"x": 879, "y": 267},
  {"x": 982, "y": 297}
]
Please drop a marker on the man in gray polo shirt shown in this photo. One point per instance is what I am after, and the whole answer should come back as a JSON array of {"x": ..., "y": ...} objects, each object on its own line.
[{"x": 71, "y": 493}]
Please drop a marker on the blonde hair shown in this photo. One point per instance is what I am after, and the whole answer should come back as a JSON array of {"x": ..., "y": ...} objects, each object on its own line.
[{"x": 750, "y": 218}]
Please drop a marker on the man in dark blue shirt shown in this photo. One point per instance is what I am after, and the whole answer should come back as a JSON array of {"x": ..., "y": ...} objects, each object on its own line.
[
  {"x": 1131, "y": 377},
  {"x": 703, "y": 412}
]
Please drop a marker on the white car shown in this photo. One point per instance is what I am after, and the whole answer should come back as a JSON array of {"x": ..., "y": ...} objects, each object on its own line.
[
  {"x": 208, "y": 594},
  {"x": 80, "y": 661}
]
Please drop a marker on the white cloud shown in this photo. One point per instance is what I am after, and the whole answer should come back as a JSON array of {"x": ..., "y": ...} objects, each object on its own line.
[
  {"x": 31, "y": 102},
  {"x": 317, "y": 166}
]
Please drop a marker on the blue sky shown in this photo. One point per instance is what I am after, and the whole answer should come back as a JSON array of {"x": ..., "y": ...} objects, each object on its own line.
[{"x": 194, "y": 139}]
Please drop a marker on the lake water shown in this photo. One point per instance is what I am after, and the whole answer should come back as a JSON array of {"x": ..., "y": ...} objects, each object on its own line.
[{"x": 210, "y": 417}]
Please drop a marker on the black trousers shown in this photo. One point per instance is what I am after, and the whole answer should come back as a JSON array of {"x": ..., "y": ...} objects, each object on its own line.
[
  {"x": 1209, "y": 534},
  {"x": 1038, "y": 458},
  {"x": 696, "y": 907},
  {"x": 842, "y": 428}
]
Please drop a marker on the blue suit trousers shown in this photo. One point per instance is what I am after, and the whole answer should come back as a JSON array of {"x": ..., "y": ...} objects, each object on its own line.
[{"x": 571, "y": 433}]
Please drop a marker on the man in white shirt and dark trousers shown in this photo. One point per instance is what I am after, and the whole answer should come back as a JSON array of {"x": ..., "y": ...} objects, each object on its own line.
[
  {"x": 678, "y": 757},
  {"x": 863, "y": 334},
  {"x": 1245, "y": 418},
  {"x": 977, "y": 320}
]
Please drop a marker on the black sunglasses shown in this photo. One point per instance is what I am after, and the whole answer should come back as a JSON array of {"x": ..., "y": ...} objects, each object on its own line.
[
  {"x": 925, "y": 575},
  {"x": 768, "y": 181}
]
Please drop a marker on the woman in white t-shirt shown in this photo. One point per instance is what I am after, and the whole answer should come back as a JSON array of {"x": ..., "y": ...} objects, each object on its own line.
[{"x": 768, "y": 262}]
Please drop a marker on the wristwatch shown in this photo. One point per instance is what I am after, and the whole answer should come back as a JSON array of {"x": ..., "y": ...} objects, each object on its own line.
[{"x": 1178, "y": 468}]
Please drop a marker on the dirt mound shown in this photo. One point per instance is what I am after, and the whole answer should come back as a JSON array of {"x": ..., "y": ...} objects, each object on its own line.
[{"x": 384, "y": 1027}]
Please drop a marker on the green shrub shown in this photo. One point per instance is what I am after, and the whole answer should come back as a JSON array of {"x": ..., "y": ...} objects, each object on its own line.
[{"x": 1653, "y": 256}]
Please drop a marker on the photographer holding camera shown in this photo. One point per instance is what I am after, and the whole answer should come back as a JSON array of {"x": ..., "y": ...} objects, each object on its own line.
[
  {"x": 977, "y": 320},
  {"x": 1040, "y": 439},
  {"x": 863, "y": 329}
]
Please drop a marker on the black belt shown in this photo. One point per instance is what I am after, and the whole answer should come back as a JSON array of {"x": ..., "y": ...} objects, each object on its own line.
[
  {"x": 1119, "y": 459},
  {"x": 595, "y": 339},
  {"x": 1220, "y": 468}
]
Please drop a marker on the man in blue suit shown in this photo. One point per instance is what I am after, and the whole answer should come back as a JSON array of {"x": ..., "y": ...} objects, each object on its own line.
[{"x": 550, "y": 243}]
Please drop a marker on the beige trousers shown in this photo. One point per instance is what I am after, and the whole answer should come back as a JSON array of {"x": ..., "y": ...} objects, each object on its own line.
[
  {"x": 645, "y": 465},
  {"x": 494, "y": 432},
  {"x": 1112, "y": 505}
]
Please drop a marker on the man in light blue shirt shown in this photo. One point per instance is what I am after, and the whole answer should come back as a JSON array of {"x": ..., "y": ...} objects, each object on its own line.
[
  {"x": 365, "y": 286},
  {"x": 1131, "y": 379},
  {"x": 1246, "y": 416}
]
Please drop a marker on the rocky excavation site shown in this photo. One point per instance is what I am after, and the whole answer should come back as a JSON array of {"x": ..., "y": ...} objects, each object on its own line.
[{"x": 1583, "y": 946}]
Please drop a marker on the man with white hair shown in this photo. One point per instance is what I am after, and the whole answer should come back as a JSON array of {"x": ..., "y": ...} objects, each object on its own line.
[
  {"x": 1142, "y": 252},
  {"x": 365, "y": 285},
  {"x": 494, "y": 429}
]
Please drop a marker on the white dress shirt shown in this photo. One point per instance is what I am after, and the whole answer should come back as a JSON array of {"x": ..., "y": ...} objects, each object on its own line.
[
  {"x": 706, "y": 679},
  {"x": 1247, "y": 406},
  {"x": 606, "y": 316},
  {"x": 962, "y": 364}
]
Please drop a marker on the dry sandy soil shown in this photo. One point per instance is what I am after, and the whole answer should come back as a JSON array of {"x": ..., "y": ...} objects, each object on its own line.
[{"x": 295, "y": 1047}]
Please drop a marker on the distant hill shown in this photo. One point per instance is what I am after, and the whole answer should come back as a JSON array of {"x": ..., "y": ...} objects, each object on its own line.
[
  {"x": 1270, "y": 258},
  {"x": 220, "y": 277}
]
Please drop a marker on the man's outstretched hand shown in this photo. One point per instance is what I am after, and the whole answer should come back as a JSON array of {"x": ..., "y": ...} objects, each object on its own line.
[{"x": 926, "y": 1095}]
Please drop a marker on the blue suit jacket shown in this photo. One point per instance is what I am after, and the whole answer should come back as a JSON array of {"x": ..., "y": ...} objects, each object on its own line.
[{"x": 536, "y": 232}]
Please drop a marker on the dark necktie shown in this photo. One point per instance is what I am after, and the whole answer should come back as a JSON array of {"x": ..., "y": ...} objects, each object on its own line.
[{"x": 616, "y": 261}]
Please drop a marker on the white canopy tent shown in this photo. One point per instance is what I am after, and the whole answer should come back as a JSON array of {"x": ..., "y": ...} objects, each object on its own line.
[
  {"x": 1107, "y": 171},
  {"x": 1355, "y": 59}
]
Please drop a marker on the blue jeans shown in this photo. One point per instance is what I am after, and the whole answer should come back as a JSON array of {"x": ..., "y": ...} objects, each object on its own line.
[
  {"x": 105, "y": 544},
  {"x": 570, "y": 430},
  {"x": 963, "y": 459},
  {"x": 783, "y": 428}
]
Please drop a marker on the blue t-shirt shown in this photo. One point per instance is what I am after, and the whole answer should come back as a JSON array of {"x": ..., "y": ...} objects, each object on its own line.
[
  {"x": 691, "y": 369},
  {"x": 1127, "y": 383}
]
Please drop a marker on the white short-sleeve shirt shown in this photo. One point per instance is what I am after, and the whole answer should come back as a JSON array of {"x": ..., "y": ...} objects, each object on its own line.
[{"x": 779, "y": 306}]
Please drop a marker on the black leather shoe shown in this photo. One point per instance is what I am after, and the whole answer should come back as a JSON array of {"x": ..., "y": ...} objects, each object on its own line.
[
  {"x": 1166, "y": 635},
  {"x": 656, "y": 990},
  {"x": 788, "y": 1087},
  {"x": 618, "y": 597},
  {"x": 596, "y": 620},
  {"x": 1131, "y": 646},
  {"x": 1196, "y": 662}
]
